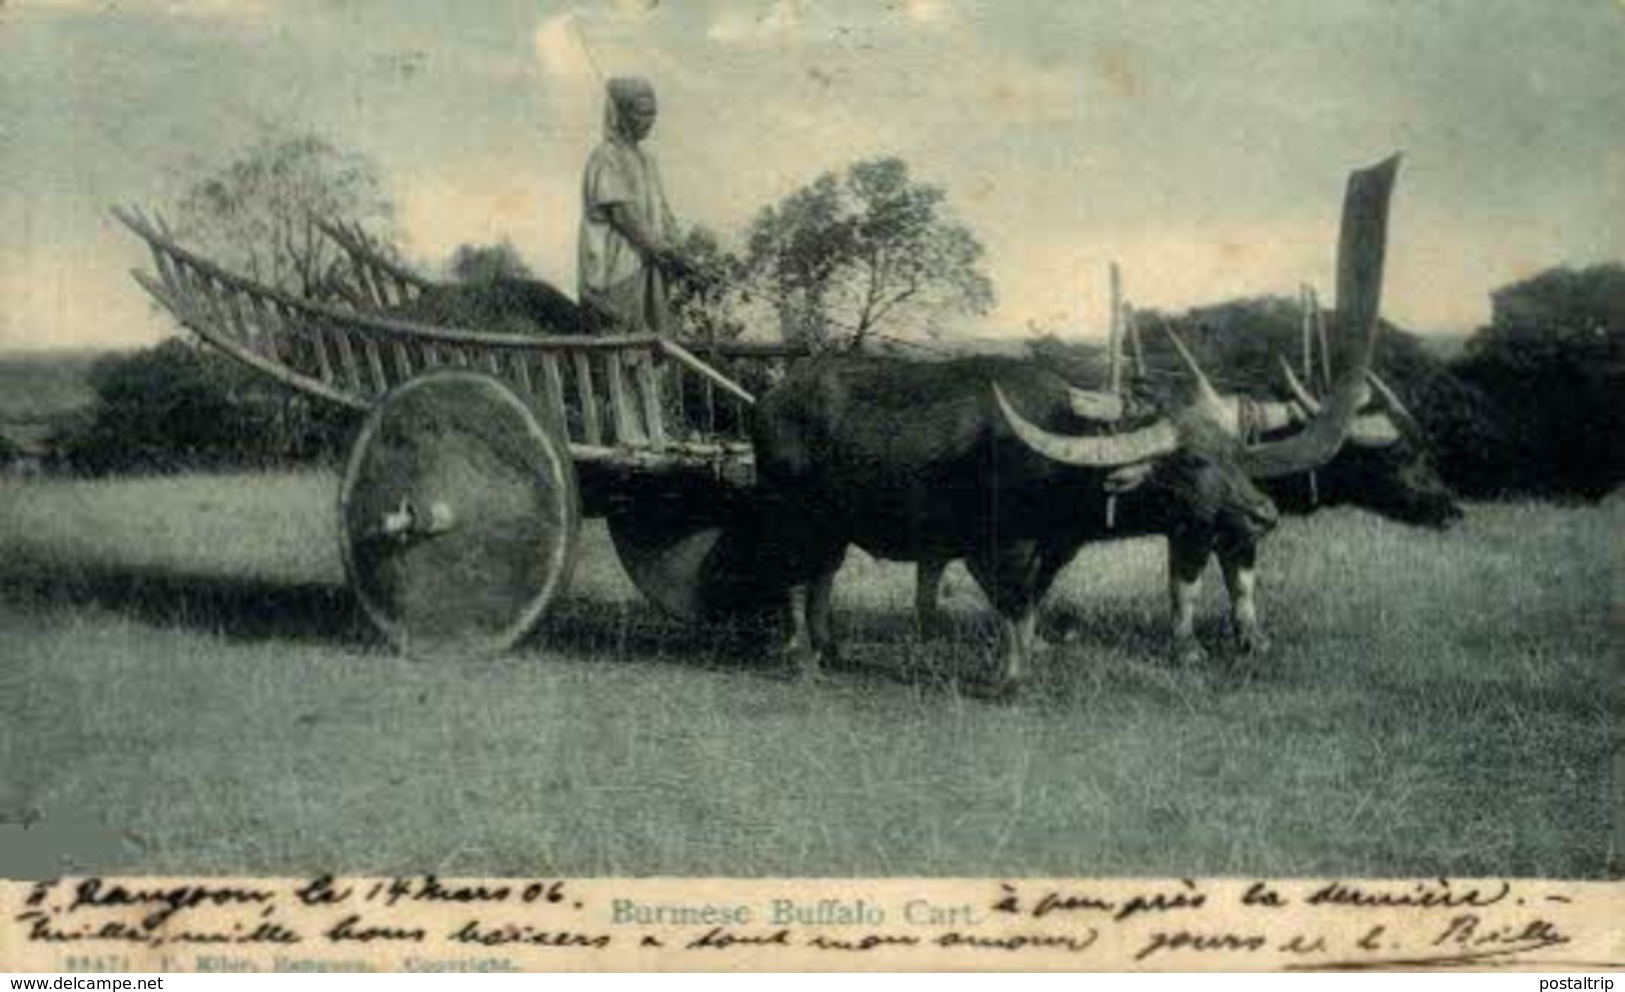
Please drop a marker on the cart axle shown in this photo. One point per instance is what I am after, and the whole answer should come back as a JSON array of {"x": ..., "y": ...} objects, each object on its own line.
[{"x": 406, "y": 522}]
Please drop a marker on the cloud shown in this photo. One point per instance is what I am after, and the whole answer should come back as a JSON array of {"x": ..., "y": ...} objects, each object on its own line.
[
  {"x": 765, "y": 23},
  {"x": 485, "y": 202},
  {"x": 197, "y": 9},
  {"x": 64, "y": 6},
  {"x": 777, "y": 23},
  {"x": 227, "y": 9},
  {"x": 1061, "y": 281},
  {"x": 70, "y": 296},
  {"x": 560, "y": 51},
  {"x": 930, "y": 12}
]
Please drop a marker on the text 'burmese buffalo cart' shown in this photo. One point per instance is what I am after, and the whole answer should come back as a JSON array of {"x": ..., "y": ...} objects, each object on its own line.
[{"x": 480, "y": 452}]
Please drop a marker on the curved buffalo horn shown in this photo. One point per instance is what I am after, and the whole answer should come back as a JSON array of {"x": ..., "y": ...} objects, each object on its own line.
[
  {"x": 1310, "y": 448},
  {"x": 1202, "y": 384},
  {"x": 1208, "y": 401},
  {"x": 1369, "y": 430},
  {"x": 1361, "y": 250},
  {"x": 1273, "y": 415},
  {"x": 1391, "y": 399},
  {"x": 1295, "y": 386},
  {"x": 1373, "y": 430},
  {"x": 1093, "y": 405},
  {"x": 1103, "y": 451},
  {"x": 1306, "y": 399},
  {"x": 1361, "y": 247}
]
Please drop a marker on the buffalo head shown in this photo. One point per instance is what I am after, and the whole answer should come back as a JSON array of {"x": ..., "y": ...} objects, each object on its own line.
[
  {"x": 1386, "y": 466},
  {"x": 1197, "y": 449}
]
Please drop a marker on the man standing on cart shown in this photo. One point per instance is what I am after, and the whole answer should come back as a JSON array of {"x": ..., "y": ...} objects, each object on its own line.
[{"x": 628, "y": 241}]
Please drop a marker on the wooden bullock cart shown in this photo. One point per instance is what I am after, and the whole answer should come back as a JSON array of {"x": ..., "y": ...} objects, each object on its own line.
[{"x": 480, "y": 452}]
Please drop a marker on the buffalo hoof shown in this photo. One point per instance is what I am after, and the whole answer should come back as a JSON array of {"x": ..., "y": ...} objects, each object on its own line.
[
  {"x": 1054, "y": 641},
  {"x": 835, "y": 661},
  {"x": 1004, "y": 690},
  {"x": 1187, "y": 653},
  {"x": 800, "y": 664},
  {"x": 1252, "y": 641},
  {"x": 930, "y": 627}
]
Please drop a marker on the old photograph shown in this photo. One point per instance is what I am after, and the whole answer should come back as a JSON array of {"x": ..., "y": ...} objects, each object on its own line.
[{"x": 775, "y": 438}]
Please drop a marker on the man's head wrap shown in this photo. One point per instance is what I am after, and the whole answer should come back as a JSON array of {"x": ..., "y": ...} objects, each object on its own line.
[{"x": 625, "y": 93}]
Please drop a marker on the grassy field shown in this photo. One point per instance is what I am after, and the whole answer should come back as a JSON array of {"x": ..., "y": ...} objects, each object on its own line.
[{"x": 187, "y": 669}]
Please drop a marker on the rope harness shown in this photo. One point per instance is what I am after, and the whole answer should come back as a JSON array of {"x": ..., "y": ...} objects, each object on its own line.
[{"x": 1249, "y": 420}]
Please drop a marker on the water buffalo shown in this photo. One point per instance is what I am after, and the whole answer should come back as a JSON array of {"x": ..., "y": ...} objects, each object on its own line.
[
  {"x": 1383, "y": 466},
  {"x": 993, "y": 461},
  {"x": 1386, "y": 466}
]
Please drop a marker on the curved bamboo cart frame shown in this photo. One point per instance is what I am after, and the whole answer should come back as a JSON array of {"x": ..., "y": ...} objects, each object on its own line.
[{"x": 635, "y": 415}]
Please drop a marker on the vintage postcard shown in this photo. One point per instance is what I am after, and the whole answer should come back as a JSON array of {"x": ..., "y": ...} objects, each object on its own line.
[{"x": 811, "y": 485}]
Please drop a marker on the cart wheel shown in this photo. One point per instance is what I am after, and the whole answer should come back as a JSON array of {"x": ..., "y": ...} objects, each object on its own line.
[
  {"x": 697, "y": 562},
  {"x": 459, "y": 516}
]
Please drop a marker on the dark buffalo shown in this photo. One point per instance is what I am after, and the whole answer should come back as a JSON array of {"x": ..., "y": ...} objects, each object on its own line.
[
  {"x": 918, "y": 462},
  {"x": 991, "y": 461},
  {"x": 1384, "y": 467}
]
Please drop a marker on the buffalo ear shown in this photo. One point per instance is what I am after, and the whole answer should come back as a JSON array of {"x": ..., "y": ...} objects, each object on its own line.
[{"x": 1127, "y": 478}]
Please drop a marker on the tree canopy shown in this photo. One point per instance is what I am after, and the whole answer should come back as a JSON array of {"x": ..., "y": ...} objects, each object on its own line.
[
  {"x": 176, "y": 407},
  {"x": 712, "y": 306},
  {"x": 865, "y": 249},
  {"x": 478, "y": 264},
  {"x": 1553, "y": 356},
  {"x": 258, "y": 214}
]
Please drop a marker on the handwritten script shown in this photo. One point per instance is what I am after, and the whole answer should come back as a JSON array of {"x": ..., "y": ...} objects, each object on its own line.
[{"x": 429, "y": 923}]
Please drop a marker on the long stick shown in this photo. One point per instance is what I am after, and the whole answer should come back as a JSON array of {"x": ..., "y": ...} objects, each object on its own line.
[
  {"x": 1115, "y": 339},
  {"x": 1131, "y": 324},
  {"x": 1115, "y": 383},
  {"x": 709, "y": 374},
  {"x": 1305, "y": 301},
  {"x": 1325, "y": 345}
]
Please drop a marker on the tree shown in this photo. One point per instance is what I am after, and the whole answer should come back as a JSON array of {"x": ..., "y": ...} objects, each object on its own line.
[
  {"x": 257, "y": 216},
  {"x": 174, "y": 407},
  {"x": 1553, "y": 356},
  {"x": 865, "y": 249},
  {"x": 710, "y": 307},
  {"x": 483, "y": 264}
]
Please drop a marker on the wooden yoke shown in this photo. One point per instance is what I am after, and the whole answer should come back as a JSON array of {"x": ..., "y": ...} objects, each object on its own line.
[
  {"x": 1312, "y": 324},
  {"x": 1114, "y": 342},
  {"x": 1114, "y": 346}
]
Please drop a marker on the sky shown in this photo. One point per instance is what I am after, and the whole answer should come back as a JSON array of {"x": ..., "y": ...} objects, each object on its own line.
[{"x": 1201, "y": 145}]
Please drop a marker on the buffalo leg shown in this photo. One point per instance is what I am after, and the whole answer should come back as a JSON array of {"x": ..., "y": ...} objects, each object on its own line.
[
  {"x": 1187, "y": 558},
  {"x": 1018, "y": 634},
  {"x": 821, "y": 617},
  {"x": 1008, "y": 576},
  {"x": 800, "y": 656},
  {"x": 1239, "y": 580},
  {"x": 812, "y": 627},
  {"x": 1051, "y": 559},
  {"x": 927, "y": 586}
]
